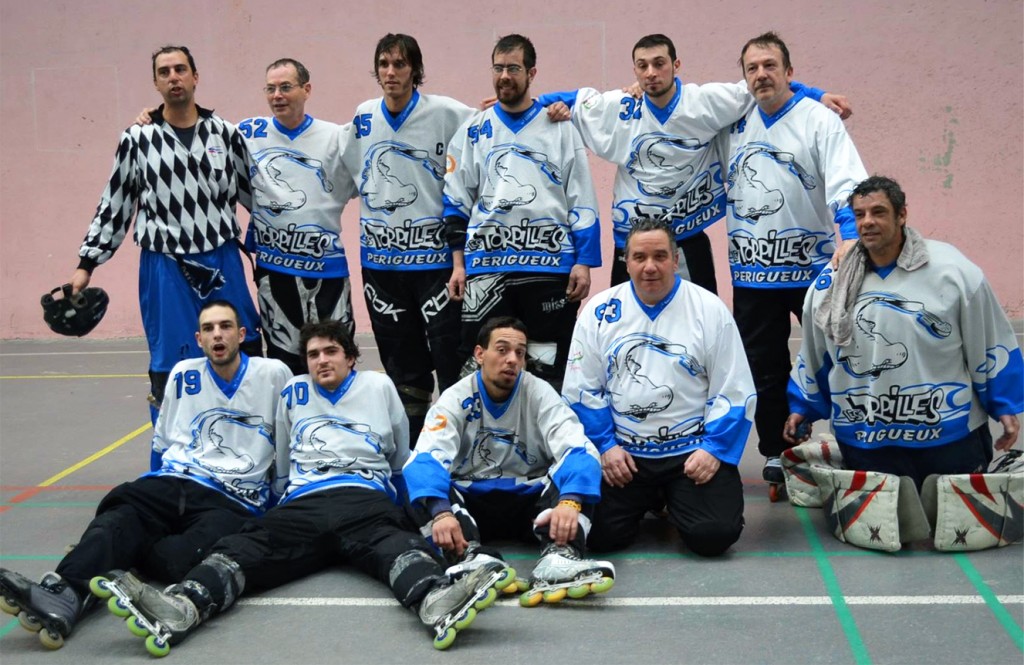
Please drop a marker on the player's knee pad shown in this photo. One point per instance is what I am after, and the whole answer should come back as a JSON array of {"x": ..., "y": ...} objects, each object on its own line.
[
  {"x": 541, "y": 359},
  {"x": 411, "y": 576},
  {"x": 869, "y": 509},
  {"x": 976, "y": 511},
  {"x": 796, "y": 467},
  {"x": 222, "y": 576}
]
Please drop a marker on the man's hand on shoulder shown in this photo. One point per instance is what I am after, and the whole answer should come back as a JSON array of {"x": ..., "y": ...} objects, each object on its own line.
[{"x": 145, "y": 117}]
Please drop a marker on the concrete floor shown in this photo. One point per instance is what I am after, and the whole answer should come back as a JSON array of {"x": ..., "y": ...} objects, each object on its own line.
[{"x": 73, "y": 424}]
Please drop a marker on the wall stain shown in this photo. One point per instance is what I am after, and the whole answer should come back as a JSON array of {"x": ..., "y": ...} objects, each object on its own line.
[{"x": 940, "y": 163}]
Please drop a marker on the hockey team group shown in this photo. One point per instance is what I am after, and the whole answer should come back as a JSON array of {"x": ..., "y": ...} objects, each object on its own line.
[{"x": 557, "y": 424}]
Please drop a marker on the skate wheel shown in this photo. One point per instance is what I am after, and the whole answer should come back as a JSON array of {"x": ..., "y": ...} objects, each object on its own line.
[
  {"x": 530, "y": 599},
  {"x": 604, "y": 585},
  {"x": 156, "y": 647},
  {"x": 29, "y": 623},
  {"x": 442, "y": 642},
  {"x": 116, "y": 608},
  {"x": 556, "y": 596},
  {"x": 773, "y": 493},
  {"x": 507, "y": 579},
  {"x": 134, "y": 627},
  {"x": 487, "y": 600},
  {"x": 98, "y": 587},
  {"x": 578, "y": 592},
  {"x": 9, "y": 606},
  {"x": 51, "y": 640},
  {"x": 466, "y": 619}
]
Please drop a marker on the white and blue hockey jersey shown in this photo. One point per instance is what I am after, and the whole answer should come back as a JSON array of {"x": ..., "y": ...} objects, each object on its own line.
[
  {"x": 355, "y": 436},
  {"x": 663, "y": 380},
  {"x": 523, "y": 184},
  {"x": 300, "y": 187},
  {"x": 399, "y": 164},
  {"x": 220, "y": 433},
  {"x": 520, "y": 445},
  {"x": 788, "y": 177},
  {"x": 931, "y": 354}
]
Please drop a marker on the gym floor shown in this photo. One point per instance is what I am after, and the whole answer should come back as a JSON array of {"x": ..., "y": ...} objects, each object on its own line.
[{"x": 74, "y": 423}]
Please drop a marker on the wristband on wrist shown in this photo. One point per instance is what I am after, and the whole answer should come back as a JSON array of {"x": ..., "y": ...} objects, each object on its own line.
[
  {"x": 442, "y": 515},
  {"x": 575, "y": 504}
]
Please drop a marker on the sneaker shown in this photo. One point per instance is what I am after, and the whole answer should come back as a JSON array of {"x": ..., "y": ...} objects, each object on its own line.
[{"x": 772, "y": 471}]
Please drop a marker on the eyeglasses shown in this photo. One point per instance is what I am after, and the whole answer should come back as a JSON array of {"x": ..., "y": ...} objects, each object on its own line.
[
  {"x": 512, "y": 70},
  {"x": 285, "y": 88}
]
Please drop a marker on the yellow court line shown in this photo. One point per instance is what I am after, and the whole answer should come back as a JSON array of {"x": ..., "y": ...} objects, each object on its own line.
[
  {"x": 76, "y": 376},
  {"x": 95, "y": 456}
]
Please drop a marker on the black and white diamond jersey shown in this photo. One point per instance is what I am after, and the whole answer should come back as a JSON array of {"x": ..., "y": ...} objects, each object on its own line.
[{"x": 183, "y": 198}]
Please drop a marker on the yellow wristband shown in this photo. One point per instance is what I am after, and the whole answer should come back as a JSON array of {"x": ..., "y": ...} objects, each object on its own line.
[{"x": 575, "y": 504}]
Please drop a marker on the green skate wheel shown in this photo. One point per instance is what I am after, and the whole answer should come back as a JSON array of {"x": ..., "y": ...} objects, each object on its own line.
[
  {"x": 157, "y": 647},
  {"x": 577, "y": 592},
  {"x": 487, "y": 600},
  {"x": 530, "y": 599},
  {"x": 29, "y": 623},
  {"x": 605, "y": 584},
  {"x": 508, "y": 577},
  {"x": 522, "y": 584},
  {"x": 134, "y": 627},
  {"x": 442, "y": 642},
  {"x": 9, "y": 606},
  {"x": 51, "y": 640},
  {"x": 466, "y": 619},
  {"x": 116, "y": 608},
  {"x": 556, "y": 596},
  {"x": 97, "y": 586}
]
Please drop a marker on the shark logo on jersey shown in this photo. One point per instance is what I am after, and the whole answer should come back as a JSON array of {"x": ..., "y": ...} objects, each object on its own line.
[
  {"x": 871, "y": 353},
  {"x": 221, "y": 436},
  {"x": 491, "y": 448},
  {"x": 660, "y": 163},
  {"x": 203, "y": 279},
  {"x": 282, "y": 191},
  {"x": 320, "y": 442},
  {"x": 748, "y": 196},
  {"x": 382, "y": 189},
  {"x": 641, "y": 379},
  {"x": 508, "y": 169}
]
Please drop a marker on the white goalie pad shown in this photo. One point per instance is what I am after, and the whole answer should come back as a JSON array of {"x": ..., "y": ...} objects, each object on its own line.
[
  {"x": 976, "y": 511},
  {"x": 877, "y": 511},
  {"x": 796, "y": 466}
]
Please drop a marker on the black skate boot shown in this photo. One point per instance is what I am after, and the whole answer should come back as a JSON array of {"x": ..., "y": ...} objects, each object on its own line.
[
  {"x": 450, "y": 607},
  {"x": 50, "y": 608}
]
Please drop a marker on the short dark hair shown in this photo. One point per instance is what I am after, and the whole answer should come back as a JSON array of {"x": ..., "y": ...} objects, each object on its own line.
[
  {"x": 408, "y": 47},
  {"x": 510, "y": 43},
  {"x": 652, "y": 41},
  {"x": 300, "y": 68},
  {"x": 220, "y": 302},
  {"x": 483, "y": 338},
  {"x": 172, "y": 49},
  {"x": 886, "y": 185},
  {"x": 644, "y": 224},
  {"x": 768, "y": 39},
  {"x": 332, "y": 330}
]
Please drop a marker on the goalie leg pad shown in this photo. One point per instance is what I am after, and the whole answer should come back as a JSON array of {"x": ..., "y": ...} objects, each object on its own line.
[
  {"x": 861, "y": 507},
  {"x": 796, "y": 467},
  {"x": 976, "y": 511}
]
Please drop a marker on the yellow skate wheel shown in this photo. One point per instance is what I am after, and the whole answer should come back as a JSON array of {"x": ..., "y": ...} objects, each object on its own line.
[
  {"x": 9, "y": 606},
  {"x": 442, "y": 642},
  {"x": 98, "y": 587},
  {"x": 577, "y": 592},
  {"x": 116, "y": 608},
  {"x": 134, "y": 627},
  {"x": 487, "y": 600},
  {"x": 467, "y": 618},
  {"x": 508, "y": 578},
  {"x": 556, "y": 596},
  {"x": 29, "y": 623},
  {"x": 156, "y": 647},
  {"x": 605, "y": 584},
  {"x": 51, "y": 640},
  {"x": 530, "y": 599}
]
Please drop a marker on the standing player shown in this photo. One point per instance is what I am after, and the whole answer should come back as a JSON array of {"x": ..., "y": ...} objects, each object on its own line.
[
  {"x": 299, "y": 192},
  {"x": 213, "y": 449},
  {"x": 791, "y": 166},
  {"x": 181, "y": 178},
  {"x": 521, "y": 215},
  {"x": 398, "y": 157},
  {"x": 341, "y": 440}
]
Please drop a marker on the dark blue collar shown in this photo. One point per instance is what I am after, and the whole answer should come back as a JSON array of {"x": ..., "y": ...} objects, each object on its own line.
[
  {"x": 770, "y": 120},
  {"x": 333, "y": 396},
  {"x": 294, "y": 133},
  {"x": 396, "y": 120},
  {"x": 229, "y": 387},
  {"x": 652, "y": 311},
  {"x": 516, "y": 121},
  {"x": 663, "y": 114},
  {"x": 496, "y": 409}
]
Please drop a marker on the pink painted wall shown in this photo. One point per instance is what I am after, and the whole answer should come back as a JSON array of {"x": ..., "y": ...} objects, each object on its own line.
[{"x": 936, "y": 85}]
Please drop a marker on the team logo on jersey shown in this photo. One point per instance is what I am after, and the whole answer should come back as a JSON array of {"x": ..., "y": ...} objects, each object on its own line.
[
  {"x": 203, "y": 279},
  {"x": 322, "y": 443},
  {"x": 278, "y": 179},
  {"x": 490, "y": 452},
  {"x": 387, "y": 181},
  {"x": 661, "y": 163},
  {"x": 440, "y": 422},
  {"x": 642, "y": 371},
  {"x": 509, "y": 169},
  {"x": 221, "y": 438},
  {"x": 750, "y": 198}
]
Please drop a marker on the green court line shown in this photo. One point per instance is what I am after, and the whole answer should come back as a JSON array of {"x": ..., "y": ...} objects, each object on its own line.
[
  {"x": 985, "y": 591},
  {"x": 860, "y": 651},
  {"x": 8, "y": 628},
  {"x": 32, "y": 557}
]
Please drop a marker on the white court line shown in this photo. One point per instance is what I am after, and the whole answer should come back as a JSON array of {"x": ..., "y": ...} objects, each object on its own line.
[{"x": 698, "y": 601}]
